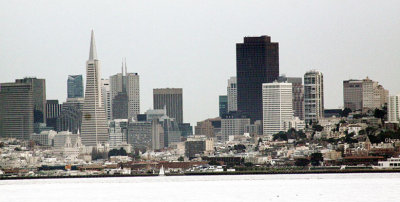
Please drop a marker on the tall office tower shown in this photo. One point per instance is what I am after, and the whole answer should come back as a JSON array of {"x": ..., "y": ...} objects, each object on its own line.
[
  {"x": 140, "y": 135},
  {"x": 257, "y": 62},
  {"x": 352, "y": 94},
  {"x": 39, "y": 97},
  {"x": 364, "y": 94},
  {"x": 313, "y": 96},
  {"x": 157, "y": 135},
  {"x": 106, "y": 95},
  {"x": 94, "y": 125},
  {"x": 297, "y": 94},
  {"x": 223, "y": 105},
  {"x": 70, "y": 118},
  {"x": 277, "y": 106},
  {"x": 16, "y": 110},
  {"x": 118, "y": 130},
  {"x": 75, "y": 86},
  {"x": 232, "y": 94},
  {"x": 394, "y": 109},
  {"x": 53, "y": 109},
  {"x": 126, "y": 85},
  {"x": 172, "y": 99}
]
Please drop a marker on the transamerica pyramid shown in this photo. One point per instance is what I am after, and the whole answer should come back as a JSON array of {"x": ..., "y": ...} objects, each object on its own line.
[{"x": 94, "y": 128}]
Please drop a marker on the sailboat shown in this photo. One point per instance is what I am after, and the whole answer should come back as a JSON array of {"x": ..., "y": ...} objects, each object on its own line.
[{"x": 162, "y": 172}]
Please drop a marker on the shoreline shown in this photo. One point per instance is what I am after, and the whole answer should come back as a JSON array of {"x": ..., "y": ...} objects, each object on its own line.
[{"x": 212, "y": 173}]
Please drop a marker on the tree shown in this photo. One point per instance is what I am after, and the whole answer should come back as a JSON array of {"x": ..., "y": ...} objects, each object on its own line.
[
  {"x": 248, "y": 164},
  {"x": 181, "y": 158},
  {"x": 380, "y": 113},
  {"x": 316, "y": 158},
  {"x": 1, "y": 144},
  {"x": 345, "y": 112},
  {"x": 281, "y": 136},
  {"x": 17, "y": 149},
  {"x": 302, "y": 162},
  {"x": 318, "y": 128},
  {"x": 116, "y": 152},
  {"x": 239, "y": 148}
]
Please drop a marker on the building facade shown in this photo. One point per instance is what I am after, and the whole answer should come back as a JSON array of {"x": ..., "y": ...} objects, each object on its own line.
[
  {"x": 233, "y": 124},
  {"x": 75, "y": 86},
  {"x": 353, "y": 94},
  {"x": 70, "y": 118},
  {"x": 223, "y": 105},
  {"x": 394, "y": 109},
  {"x": 106, "y": 95},
  {"x": 16, "y": 110},
  {"x": 313, "y": 96},
  {"x": 53, "y": 110},
  {"x": 297, "y": 94},
  {"x": 94, "y": 129},
  {"x": 277, "y": 107},
  {"x": 257, "y": 62},
  {"x": 171, "y": 98},
  {"x": 232, "y": 94},
  {"x": 39, "y": 97}
]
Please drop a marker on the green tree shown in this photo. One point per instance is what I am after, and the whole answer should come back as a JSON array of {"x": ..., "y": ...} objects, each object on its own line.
[
  {"x": 345, "y": 112},
  {"x": 302, "y": 162},
  {"x": 181, "y": 158},
  {"x": 316, "y": 159}
]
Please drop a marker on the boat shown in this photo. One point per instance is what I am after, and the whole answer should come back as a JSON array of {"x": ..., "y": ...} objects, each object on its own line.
[{"x": 162, "y": 172}]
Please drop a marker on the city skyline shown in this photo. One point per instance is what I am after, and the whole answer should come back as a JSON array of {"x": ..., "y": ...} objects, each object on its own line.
[{"x": 158, "y": 69}]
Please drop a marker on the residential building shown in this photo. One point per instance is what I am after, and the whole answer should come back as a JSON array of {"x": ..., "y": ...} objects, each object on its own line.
[
  {"x": 277, "y": 107},
  {"x": 353, "y": 94},
  {"x": 16, "y": 110},
  {"x": 232, "y": 94},
  {"x": 75, "y": 86},
  {"x": 313, "y": 96},
  {"x": 297, "y": 94},
  {"x": 233, "y": 124},
  {"x": 171, "y": 98},
  {"x": 394, "y": 109},
  {"x": 257, "y": 62},
  {"x": 223, "y": 105},
  {"x": 94, "y": 129}
]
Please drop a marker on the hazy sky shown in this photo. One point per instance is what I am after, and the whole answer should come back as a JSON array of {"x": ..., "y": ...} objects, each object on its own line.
[{"x": 191, "y": 44}]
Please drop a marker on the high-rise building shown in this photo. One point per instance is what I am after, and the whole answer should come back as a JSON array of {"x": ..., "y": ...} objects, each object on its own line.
[
  {"x": 53, "y": 110},
  {"x": 118, "y": 130},
  {"x": 232, "y": 94},
  {"x": 157, "y": 135},
  {"x": 223, "y": 105},
  {"x": 297, "y": 94},
  {"x": 209, "y": 127},
  {"x": 140, "y": 135},
  {"x": 171, "y": 98},
  {"x": 257, "y": 62},
  {"x": 70, "y": 118},
  {"x": 313, "y": 96},
  {"x": 94, "y": 125},
  {"x": 125, "y": 88},
  {"x": 277, "y": 107},
  {"x": 16, "y": 110},
  {"x": 39, "y": 97},
  {"x": 106, "y": 95},
  {"x": 364, "y": 94},
  {"x": 233, "y": 124},
  {"x": 394, "y": 109},
  {"x": 75, "y": 86}
]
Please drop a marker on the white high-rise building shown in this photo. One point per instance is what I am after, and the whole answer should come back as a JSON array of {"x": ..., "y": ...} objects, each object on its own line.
[
  {"x": 94, "y": 129},
  {"x": 106, "y": 94},
  {"x": 313, "y": 96},
  {"x": 394, "y": 109},
  {"x": 277, "y": 106},
  {"x": 232, "y": 94}
]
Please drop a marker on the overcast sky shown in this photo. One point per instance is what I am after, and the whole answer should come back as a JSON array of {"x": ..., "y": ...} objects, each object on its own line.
[{"x": 191, "y": 44}]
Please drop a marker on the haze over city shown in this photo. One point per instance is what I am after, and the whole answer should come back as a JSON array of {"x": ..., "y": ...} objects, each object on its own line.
[{"x": 191, "y": 45}]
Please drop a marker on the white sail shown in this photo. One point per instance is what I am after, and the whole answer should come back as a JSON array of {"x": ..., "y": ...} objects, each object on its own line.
[{"x": 161, "y": 173}]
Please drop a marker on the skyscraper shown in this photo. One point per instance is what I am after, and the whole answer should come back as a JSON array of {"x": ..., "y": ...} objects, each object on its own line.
[
  {"x": 277, "y": 107},
  {"x": 75, "y": 86},
  {"x": 16, "y": 110},
  {"x": 223, "y": 105},
  {"x": 94, "y": 126},
  {"x": 352, "y": 94},
  {"x": 257, "y": 62},
  {"x": 394, "y": 109},
  {"x": 297, "y": 94},
  {"x": 106, "y": 95},
  {"x": 39, "y": 97},
  {"x": 232, "y": 94},
  {"x": 313, "y": 96},
  {"x": 172, "y": 99},
  {"x": 53, "y": 109}
]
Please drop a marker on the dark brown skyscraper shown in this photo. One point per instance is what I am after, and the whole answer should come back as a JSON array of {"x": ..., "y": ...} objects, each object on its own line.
[
  {"x": 171, "y": 98},
  {"x": 257, "y": 62}
]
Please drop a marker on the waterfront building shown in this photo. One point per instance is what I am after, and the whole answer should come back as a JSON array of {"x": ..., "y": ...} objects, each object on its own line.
[
  {"x": 223, "y": 105},
  {"x": 297, "y": 94},
  {"x": 16, "y": 110},
  {"x": 75, "y": 86},
  {"x": 106, "y": 95},
  {"x": 39, "y": 97},
  {"x": 53, "y": 110},
  {"x": 171, "y": 99},
  {"x": 257, "y": 62},
  {"x": 232, "y": 94},
  {"x": 394, "y": 109},
  {"x": 94, "y": 126},
  {"x": 277, "y": 106},
  {"x": 313, "y": 96},
  {"x": 233, "y": 124}
]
